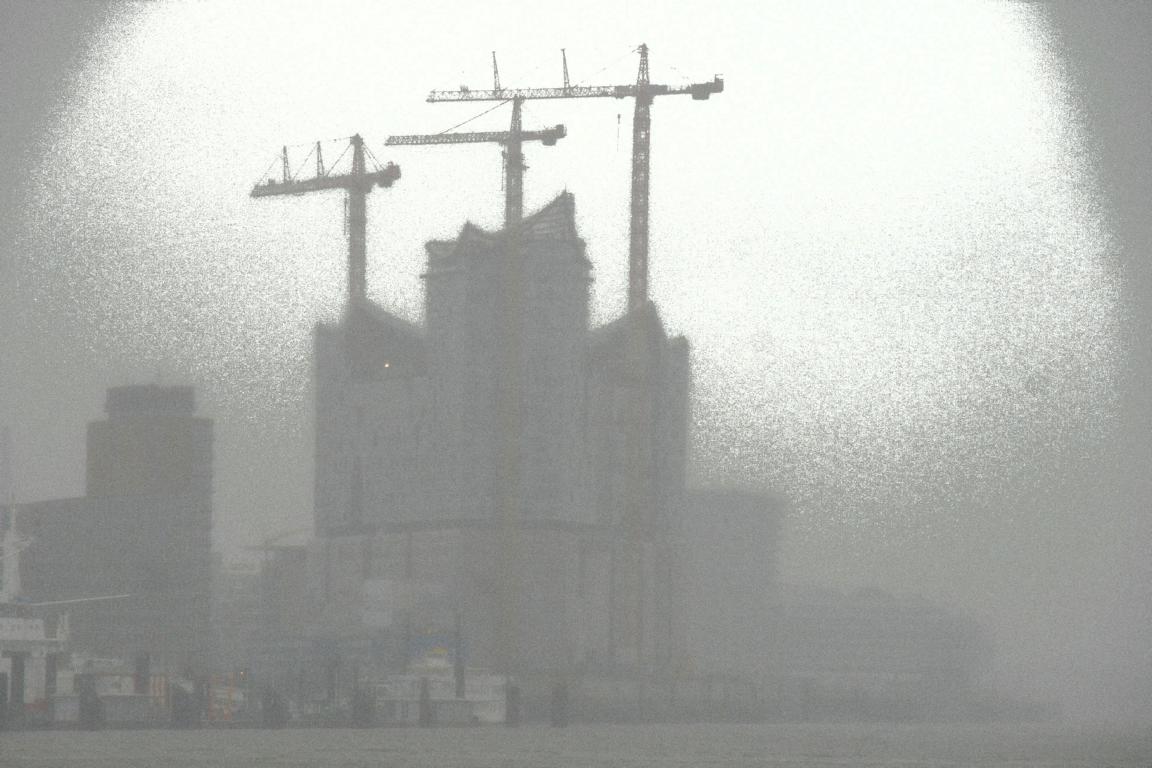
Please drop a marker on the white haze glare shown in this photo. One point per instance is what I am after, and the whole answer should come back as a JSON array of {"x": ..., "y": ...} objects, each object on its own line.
[{"x": 884, "y": 240}]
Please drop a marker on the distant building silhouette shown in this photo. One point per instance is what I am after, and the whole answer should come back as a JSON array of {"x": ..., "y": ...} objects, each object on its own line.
[
  {"x": 144, "y": 530},
  {"x": 871, "y": 654},
  {"x": 732, "y": 541},
  {"x": 152, "y": 443}
]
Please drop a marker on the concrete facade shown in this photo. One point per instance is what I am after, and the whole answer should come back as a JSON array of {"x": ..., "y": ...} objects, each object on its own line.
[
  {"x": 372, "y": 411},
  {"x": 507, "y": 314},
  {"x": 637, "y": 444},
  {"x": 456, "y": 464},
  {"x": 408, "y": 579}
]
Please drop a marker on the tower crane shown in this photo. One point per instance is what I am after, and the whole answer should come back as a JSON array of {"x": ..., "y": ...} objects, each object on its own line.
[
  {"x": 643, "y": 91},
  {"x": 357, "y": 183},
  {"x": 512, "y": 140}
]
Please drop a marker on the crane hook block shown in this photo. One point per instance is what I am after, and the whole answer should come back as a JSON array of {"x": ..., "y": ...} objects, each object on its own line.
[{"x": 388, "y": 176}]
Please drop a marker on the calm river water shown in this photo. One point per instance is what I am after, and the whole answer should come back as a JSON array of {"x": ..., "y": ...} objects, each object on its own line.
[{"x": 588, "y": 746}]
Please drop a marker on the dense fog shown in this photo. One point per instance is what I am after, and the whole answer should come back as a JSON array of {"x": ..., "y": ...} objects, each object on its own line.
[{"x": 875, "y": 445}]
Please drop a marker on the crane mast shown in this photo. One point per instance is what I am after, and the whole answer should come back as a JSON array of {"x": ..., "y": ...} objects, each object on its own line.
[
  {"x": 643, "y": 91},
  {"x": 514, "y": 169},
  {"x": 358, "y": 183},
  {"x": 512, "y": 140},
  {"x": 638, "y": 220}
]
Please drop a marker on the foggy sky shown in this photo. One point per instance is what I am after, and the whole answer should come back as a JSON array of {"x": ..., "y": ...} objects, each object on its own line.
[{"x": 1040, "y": 528}]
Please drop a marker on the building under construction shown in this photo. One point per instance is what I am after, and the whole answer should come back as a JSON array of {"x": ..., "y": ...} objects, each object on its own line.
[
  {"x": 503, "y": 485},
  {"x": 508, "y": 471}
]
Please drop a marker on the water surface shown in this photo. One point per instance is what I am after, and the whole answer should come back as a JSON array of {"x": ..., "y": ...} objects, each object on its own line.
[{"x": 714, "y": 745}]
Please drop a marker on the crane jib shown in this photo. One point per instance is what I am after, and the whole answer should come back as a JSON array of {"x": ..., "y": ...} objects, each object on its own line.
[
  {"x": 695, "y": 90},
  {"x": 383, "y": 178},
  {"x": 547, "y": 136}
]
